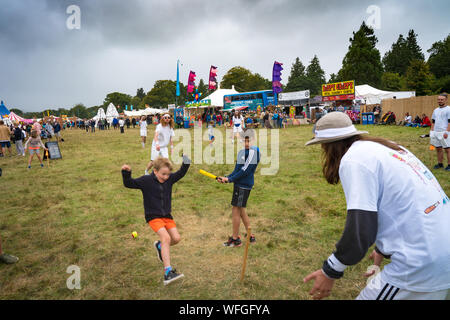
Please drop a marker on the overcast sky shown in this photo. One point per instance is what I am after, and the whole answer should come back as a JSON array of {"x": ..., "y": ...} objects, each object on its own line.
[{"x": 125, "y": 45}]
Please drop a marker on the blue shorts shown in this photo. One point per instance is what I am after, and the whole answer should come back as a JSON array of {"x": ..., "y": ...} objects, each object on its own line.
[{"x": 6, "y": 144}]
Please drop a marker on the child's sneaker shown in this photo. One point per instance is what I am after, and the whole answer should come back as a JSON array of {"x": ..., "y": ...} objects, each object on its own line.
[
  {"x": 146, "y": 173},
  {"x": 252, "y": 238},
  {"x": 29, "y": 167},
  {"x": 156, "y": 244},
  {"x": 172, "y": 276},
  {"x": 42, "y": 165},
  {"x": 233, "y": 242}
]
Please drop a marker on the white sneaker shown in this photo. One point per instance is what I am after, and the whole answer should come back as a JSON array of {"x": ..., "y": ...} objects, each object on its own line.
[{"x": 146, "y": 173}]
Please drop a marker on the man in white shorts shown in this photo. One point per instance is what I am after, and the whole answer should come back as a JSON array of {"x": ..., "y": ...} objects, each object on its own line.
[
  {"x": 163, "y": 137},
  {"x": 440, "y": 131}
]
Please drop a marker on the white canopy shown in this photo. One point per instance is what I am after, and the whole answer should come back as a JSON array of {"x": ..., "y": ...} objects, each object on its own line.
[
  {"x": 101, "y": 114},
  {"x": 111, "y": 112},
  {"x": 152, "y": 111},
  {"x": 134, "y": 113},
  {"x": 217, "y": 96},
  {"x": 373, "y": 95}
]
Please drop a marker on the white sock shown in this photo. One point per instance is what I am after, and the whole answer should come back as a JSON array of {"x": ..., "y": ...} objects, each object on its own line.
[{"x": 143, "y": 145}]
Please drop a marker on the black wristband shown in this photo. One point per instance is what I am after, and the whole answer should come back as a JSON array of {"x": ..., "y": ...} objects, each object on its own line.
[
  {"x": 379, "y": 252},
  {"x": 330, "y": 272}
]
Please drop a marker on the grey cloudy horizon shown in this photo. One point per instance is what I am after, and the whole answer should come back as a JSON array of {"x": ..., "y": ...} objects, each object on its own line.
[{"x": 123, "y": 46}]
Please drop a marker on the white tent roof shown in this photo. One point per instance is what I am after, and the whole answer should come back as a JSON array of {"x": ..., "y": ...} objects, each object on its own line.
[
  {"x": 101, "y": 114},
  {"x": 152, "y": 111},
  {"x": 111, "y": 112},
  {"x": 373, "y": 95},
  {"x": 134, "y": 113},
  {"x": 217, "y": 96}
]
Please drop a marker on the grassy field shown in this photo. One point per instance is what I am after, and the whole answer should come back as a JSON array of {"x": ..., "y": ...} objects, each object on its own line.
[{"x": 77, "y": 212}]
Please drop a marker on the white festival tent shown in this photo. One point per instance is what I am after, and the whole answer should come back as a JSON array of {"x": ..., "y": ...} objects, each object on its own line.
[
  {"x": 372, "y": 95},
  {"x": 111, "y": 113},
  {"x": 217, "y": 96}
]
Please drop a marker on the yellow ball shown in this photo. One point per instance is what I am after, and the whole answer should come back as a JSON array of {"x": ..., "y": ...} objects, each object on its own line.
[{"x": 134, "y": 234}]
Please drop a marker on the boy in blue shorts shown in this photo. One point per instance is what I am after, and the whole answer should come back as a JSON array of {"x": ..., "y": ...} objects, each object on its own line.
[{"x": 243, "y": 179}]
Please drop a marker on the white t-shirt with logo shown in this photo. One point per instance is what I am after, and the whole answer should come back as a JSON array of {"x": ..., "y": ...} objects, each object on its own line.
[
  {"x": 413, "y": 213},
  {"x": 164, "y": 134},
  {"x": 441, "y": 117}
]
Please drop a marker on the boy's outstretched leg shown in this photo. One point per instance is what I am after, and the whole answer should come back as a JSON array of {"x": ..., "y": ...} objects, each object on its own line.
[{"x": 166, "y": 241}]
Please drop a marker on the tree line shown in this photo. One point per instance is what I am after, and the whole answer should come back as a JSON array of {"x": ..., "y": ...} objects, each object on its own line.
[{"x": 402, "y": 68}]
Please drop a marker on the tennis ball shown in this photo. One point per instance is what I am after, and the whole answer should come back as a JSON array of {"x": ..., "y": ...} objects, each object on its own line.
[{"x": 134, "y": 234}]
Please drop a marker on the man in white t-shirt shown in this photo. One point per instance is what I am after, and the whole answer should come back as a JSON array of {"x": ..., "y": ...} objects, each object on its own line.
[
  {"x": 440, "y": 131},
  {"x": 394, "y": 202},
  {"x": 408, "y": 119}
]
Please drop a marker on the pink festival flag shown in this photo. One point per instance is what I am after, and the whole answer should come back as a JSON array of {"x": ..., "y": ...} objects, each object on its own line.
[{"x": 212, "y": 78}]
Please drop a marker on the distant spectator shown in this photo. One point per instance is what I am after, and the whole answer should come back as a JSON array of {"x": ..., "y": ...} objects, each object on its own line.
[
  {"x": 425, "y": 121},
  {"x": 5, "y": 138}
]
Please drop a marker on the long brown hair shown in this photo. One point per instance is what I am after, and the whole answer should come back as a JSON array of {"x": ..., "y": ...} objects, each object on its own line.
[{"x": 334, "y": 151}]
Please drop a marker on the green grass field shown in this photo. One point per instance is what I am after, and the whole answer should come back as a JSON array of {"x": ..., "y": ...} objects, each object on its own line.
[{"x": 77, "y": 212}]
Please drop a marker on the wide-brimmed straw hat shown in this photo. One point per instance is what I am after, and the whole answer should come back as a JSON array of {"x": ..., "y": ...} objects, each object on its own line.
[{"x": 332, "y": 127}]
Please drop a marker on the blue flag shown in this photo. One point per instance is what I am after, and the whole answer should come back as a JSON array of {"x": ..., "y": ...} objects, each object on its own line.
[{"x": 178, "y": 78}]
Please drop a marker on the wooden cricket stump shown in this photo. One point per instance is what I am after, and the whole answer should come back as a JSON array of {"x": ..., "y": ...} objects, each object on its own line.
[{"x": 247, "y": 243}]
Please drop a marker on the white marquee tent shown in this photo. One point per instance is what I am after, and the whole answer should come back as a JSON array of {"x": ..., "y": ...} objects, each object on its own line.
[
  {"x": 111, "y": 113},
  {"x": 373, "y": 95},
  {"x": 217, "y": 96}
]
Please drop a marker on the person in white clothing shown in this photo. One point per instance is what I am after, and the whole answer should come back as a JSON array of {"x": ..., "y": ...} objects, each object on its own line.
[
  {"x": 238, "y": 123},
  {"x": 143, "y": 130},
  {"x": 394, "y": 202},
  {"x": 440, "y": 131},
  {"x": 121, "y": 125},
  {"x": 163, "y": 137}
]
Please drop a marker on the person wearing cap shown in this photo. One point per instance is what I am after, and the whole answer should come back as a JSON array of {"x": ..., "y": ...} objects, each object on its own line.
[{"x": 394, "y": 202}]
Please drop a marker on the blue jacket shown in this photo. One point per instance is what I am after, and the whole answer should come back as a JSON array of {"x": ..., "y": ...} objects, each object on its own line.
[{"x": 244, "y": 171}]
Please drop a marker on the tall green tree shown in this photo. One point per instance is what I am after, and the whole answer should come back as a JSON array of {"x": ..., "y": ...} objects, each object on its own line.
[
  {"x": 79, "y": 110},
  {"x": 439, "y": 60},
  {"x": 162, "y": 94},
  {"x": 315, "y": 76},
  {"x": 140, "y": 93},
  {"x": 398, "y": 59},
  {"x": 118, "y": 99},
  {"x": 419, "y": 78},
  {"x": 362, "y": 62},
  {"x": 202, "y": 88},
  {"x": 297, "y": 79},
  {"x": 244, "y": 80},
  {"x": 391, "y": 81}
]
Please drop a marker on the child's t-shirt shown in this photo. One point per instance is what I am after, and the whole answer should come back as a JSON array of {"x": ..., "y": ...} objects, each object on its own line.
[{"x": 164, "y": 134}]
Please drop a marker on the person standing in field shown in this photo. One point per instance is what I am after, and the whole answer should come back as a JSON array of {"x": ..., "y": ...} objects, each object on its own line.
[
  {"x": 18, "y": 140},
  {"x": 5, "y": 138},
  {"x": 143, "y": 130},
  {"x": 34, "y": 143},
  {"x": 243, "y": 179},
  {"x": 161, "y": 140},
  {"x": 238, "y": 123},
  {"x": 440, "y": 131},
  {"x": 394, "y": 202},
  {"x": 121, "y": 125}
]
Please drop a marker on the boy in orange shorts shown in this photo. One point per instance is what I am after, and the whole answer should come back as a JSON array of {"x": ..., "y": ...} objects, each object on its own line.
[{"x": 157, "y": 192}]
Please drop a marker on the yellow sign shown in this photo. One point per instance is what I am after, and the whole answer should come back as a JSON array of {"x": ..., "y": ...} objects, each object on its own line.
[{"x": 338, "y": 88}]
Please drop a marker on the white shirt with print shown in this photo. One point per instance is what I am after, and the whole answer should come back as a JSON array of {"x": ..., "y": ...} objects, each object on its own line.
[
  {"x": 164, "y": 134},
  {"x": 441, "y": 117},
  {"x": 413, "y": 213}
]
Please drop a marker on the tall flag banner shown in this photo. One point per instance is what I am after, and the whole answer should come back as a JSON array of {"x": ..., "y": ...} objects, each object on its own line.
[
  {"x": 178, "y": 78},
  {"x": 191, "y": 82},
  {"x": 212, "y": 78},
  {"x": 276, "y": 77}
]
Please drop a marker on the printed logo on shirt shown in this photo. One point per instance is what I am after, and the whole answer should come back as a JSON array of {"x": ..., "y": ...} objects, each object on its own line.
[{"x": 431, "y": 208}]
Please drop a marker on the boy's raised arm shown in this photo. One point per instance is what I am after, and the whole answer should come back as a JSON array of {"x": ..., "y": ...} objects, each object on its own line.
[
  {"x": 183, "y": 170},
  {"x": 130, "y": 182}
]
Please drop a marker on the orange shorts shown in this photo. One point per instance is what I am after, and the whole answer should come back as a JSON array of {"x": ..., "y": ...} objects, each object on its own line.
[{"x": 159, "y": 223}]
